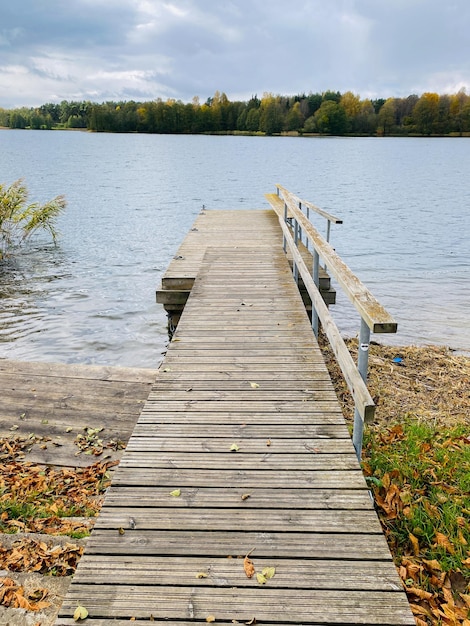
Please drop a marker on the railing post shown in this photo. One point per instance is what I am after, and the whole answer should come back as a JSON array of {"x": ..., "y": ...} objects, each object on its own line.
[
  {"x": 362, "y": 365},
  {"x": 284, "y": 240},
  {"x": 300, "y": 228},
  {"x": 328, "y": 228},
  {"x": 296, "y": 241},
  {"x": 316, "y": 280},
  {"x": 308, "y": 217}
]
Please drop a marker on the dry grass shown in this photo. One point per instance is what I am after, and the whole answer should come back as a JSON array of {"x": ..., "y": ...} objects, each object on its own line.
[{"x": 429, "y": 383}]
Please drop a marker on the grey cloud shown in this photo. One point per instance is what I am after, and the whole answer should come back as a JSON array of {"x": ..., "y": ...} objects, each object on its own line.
[{"x": 162, "y": 48}]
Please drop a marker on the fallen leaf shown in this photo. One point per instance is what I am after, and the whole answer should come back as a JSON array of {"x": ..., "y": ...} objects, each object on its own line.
[
  {"x": 210, "y": 619},
  {"x": 201, "y": 575},
  {"x": 248, "y": 565},
  {"x": 175, "y": 493},
  {"x": 245, "y": 496},
  {"x": 261, "y": 579},
  {"x": 269, "y": 572},
  {"x": 80, "y": 613},
  {"x": 268, "y": 443},
  {"x": 444, "y": 542},
  {"x": 414, "y": 544},
  {"x": 234, "y": 448},
  {"x": 419, "y": 593},
  {"x": 254, "y": 385},
  {"x": 251, "y": 622},
  {"x": 122, "y": 531}
]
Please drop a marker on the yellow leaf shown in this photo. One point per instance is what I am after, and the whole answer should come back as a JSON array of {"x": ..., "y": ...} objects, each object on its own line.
[
  {"x": 268, "y": 572},
  {"x": 210, "y": 619},
  {"x": 234, "y": 448},
  {"x": 201, "y": 575},
  {"x": 175, "y": 493},
  {"x": 121, "y": 531},
  {"x": 254, "y": 385},
  {"x": 245, "y": 496},
  {"x": 261, "y": 579},
  {"x": 80, "y": 613}
]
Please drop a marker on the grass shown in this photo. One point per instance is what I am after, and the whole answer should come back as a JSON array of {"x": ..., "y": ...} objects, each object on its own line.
[{"x": 416, "y": 459}]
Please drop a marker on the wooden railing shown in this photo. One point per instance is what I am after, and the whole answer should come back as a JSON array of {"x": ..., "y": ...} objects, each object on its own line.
[{"x": 374, "y": 318}]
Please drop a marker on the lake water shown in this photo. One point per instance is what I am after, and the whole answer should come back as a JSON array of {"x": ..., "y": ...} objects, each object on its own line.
[{"x": 132, "y": 198}]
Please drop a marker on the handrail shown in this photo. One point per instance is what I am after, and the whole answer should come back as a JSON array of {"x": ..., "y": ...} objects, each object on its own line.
[
  {"x": 310, "y": 205},
  {"x": 373, "y": 315},
  {"x": 363, "y": 401},
  {"x": 370, "y": 309}
]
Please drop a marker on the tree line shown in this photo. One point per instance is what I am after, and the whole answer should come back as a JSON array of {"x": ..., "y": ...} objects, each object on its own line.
[{"x": 327, "y": 113}]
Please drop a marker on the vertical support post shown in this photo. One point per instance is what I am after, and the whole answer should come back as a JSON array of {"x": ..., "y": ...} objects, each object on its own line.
[
  {"x": 296, "y": 241},
  {"x": 328, "y": 228},
  {"x": 362, "y": 365},
  {"x": 308, "y": 217},
  {"x": 300, "y": 228},
  {"x": 316, "y": 280},
  {"x": 284, "y": 241}
]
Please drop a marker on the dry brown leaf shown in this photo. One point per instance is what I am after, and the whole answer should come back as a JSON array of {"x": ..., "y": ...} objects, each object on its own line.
[
  {"x": 210, "y": 619},
  {"x": 414, "y": 544},
  {"x": 419, "y": 593},
  {"x": 444, "y": 542},
  {"x": 249, "y": 567},
  {"x": 432, "y": 565}
]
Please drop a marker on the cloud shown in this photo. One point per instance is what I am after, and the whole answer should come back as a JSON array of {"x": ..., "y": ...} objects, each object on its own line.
[{"x": 146, "y": 49}]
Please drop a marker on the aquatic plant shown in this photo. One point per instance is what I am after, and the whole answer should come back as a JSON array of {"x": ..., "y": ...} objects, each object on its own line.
[{"x": 19, "y": 220}]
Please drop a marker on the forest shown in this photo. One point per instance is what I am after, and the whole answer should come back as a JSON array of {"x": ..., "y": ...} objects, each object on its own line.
[{"x": 327, "y": 113}]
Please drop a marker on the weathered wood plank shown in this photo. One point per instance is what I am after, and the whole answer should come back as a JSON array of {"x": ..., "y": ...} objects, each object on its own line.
[
  {"x": 238, "y": 460},
  {"x": 246, "y": 479},
  {"x": 224, "y": 572},
  {"x": 269, "y": 545},
  {"x": 241, "y": 431},
  {"x": 233, "y": 496},
  {"x": 210, "y": 444},
  {"x": 241, "y": 519},
  {"x": 266, "y": 605}
]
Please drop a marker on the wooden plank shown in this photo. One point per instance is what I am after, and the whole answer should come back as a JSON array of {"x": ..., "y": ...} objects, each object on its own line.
[
  {"x": 268, "y": 545},
  {"x": 74, "y": 371},
  {"x": 238, "y": 460},
  {"x": 240, "y": 431},
  {"x": 223, "y": 572},
  {"x": 242, "y": 520},
  {"x": 321, "y": 606},
  {"x": 307, "y": 447},
  {"x": 246, "y": 478},
  {"x": 232, "y": 497}
]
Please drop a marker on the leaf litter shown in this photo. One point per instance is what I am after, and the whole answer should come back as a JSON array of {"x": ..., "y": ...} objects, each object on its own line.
[{"x": 416, "y": 459}]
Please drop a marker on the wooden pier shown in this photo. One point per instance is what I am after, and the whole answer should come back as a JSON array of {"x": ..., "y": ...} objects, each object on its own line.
[{"x": 240, "y": 463}]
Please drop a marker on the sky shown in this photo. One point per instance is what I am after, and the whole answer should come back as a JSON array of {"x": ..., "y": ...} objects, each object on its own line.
[{"x": 99, "y": 50}]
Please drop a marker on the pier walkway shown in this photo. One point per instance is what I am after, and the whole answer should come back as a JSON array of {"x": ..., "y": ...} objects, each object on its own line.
[{"x": 240, "y": 463}]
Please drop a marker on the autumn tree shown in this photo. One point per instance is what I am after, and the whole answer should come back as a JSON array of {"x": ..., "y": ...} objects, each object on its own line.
[
  {"x": 426, "y": 113},
  {"x": 330, "y": 119}
]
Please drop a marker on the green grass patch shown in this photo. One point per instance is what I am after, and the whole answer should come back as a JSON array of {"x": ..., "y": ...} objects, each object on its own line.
[{"x": 420, "y": 477}]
